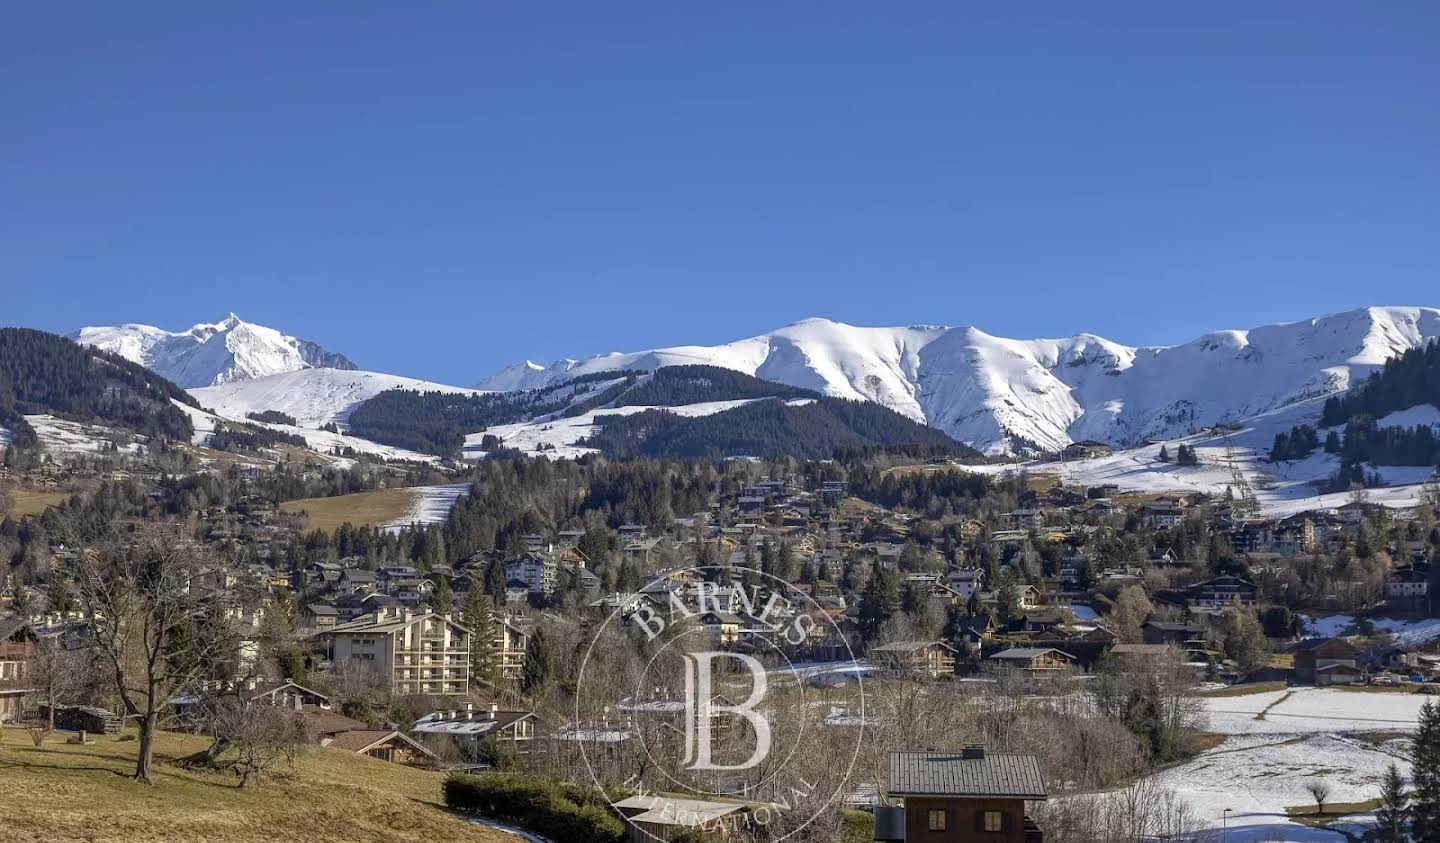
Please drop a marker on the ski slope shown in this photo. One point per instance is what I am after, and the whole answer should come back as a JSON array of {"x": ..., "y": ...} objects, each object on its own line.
[{"x": 314, "y": 397}]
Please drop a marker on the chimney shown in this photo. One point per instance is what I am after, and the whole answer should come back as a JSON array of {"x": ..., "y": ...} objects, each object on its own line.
[
  {"x": 974, "y": 752},
  {"x": 494, "y": 709},
  {"x": 469, "y": 708}
]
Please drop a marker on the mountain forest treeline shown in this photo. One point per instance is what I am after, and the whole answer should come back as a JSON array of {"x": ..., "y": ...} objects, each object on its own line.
[{"x": 46, "y": 373}]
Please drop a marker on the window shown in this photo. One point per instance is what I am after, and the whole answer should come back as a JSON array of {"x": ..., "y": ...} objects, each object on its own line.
[
  {"x": 994, "y": 821},
  {"x": 937, "y": 820}
]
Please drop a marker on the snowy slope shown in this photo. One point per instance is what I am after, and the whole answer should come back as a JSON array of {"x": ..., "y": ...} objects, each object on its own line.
[
  {"x": 229, "y": 350},
  {"x": 1003, "y": 395},
  {"x": 313, "y": 396},
  {"x": 557, "y": 437},
  {"x": 321, "y": 441}
]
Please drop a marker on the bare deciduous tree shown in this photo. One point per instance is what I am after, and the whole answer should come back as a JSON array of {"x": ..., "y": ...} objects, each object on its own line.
[
  {"x": 1319, "y": 789},
  {"x": 152, "y": 631}
]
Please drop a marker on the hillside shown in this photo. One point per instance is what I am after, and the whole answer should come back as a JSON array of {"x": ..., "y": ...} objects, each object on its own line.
[
  {"x": 807, "y": 429},
  {"x": 58, "y": 793},
  {"x": 211, "y": 353},
  {"x": 1004, "y": 395},
  {"x": 46, "y": 374},
  {"x": 314, "y": 397}
]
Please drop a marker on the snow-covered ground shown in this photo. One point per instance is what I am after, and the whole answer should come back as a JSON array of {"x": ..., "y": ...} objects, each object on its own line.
[
  {"x": 61, "y": 436},
  {"x": 560, "y": 435},
  {"x": 322, "y": 441},
  {"x": 314, "y": 397},
  {"x": 4, "y": 436},
  {"x": 1258, "y": 776},
  {"x": 1239, "y": 455},
  {"x": 1407, "y": 633},
  {"x": 1264, "y": 766},
  {"x": 1314, "y": 710},
  {"x": 430, "y": 505}
]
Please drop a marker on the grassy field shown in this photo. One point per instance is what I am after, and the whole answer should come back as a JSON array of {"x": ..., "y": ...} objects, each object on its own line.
[
  {"x": 1308, "y": 814},
  {"x": 33, "y": 502},
  {"x": 58, "y": 793},
  {"x": 1246, "y": 690},
  {"x": 375, "y": 507}
]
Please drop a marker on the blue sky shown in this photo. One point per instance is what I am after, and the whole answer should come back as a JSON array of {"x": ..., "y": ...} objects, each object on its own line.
[{"x": 439, "y": 189}]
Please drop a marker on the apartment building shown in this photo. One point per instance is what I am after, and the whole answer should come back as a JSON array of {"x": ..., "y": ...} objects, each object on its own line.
[{"x": 423, "y": 653}]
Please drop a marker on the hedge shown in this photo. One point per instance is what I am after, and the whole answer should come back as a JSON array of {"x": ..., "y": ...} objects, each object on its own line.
[{"x": 541, "y": 805}]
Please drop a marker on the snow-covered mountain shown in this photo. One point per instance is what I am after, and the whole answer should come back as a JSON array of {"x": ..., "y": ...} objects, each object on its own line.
[
  {"x": 314, "y": 397},
  {"x": 226, "y": 351},
  {"x": 1003, "y": 395}
]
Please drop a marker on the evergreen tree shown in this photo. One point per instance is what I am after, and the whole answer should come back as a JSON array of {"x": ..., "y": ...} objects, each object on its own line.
[
  {"x": 879, "y": 602},
  {"x": 495, "y": 582},
  {"x": 915, "y": 603},
  {"x": 1394, "y": 810},
  {"x": 1425, "y": 810},
  {"x": 481, "y": 621},
  {"x": 442, "y": 600},
  {"x": 539, "y": 664},
  {"x": 1164, "y": 455}
]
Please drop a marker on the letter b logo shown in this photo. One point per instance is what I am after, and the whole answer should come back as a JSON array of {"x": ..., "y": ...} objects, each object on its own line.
[{"x": 701, "y": 710}]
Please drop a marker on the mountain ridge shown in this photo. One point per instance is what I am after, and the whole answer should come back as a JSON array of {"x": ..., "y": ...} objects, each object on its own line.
[
  {"x": 1012, "y": 396},
  {"x": 208, "y": 354}
]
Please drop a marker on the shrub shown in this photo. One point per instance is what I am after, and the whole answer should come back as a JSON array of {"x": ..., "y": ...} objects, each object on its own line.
[{"x": 544, "y": 806}]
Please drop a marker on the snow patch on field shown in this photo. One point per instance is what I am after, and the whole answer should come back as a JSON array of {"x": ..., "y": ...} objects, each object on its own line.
[
  {"x": 1259, "y": 776},
  {"x": 1313, "y": 711},
  {"x": 4, "y": 436},
  {"x": 1264, "y": 765},
  {"x": 429, "y": 505}
]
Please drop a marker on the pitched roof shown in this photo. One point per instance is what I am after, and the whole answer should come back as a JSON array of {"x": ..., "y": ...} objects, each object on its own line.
[
  {"x": 996, "y": 774},
  {"x": 363, "y": 740},
  {"x": 1029, "y": 653}
]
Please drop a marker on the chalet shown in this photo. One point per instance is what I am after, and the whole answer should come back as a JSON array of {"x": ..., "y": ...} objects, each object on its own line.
[
  {"x": 17, "y": 646},
  {"x": 1032, "y": 660},
  {"x": 354, "y": 580},
  {"x": 336, "y": 731},
  {"x": 479, "y": 733},
  {"x": 1408, "y": 584},
  {"x": 961, "y": 797},
  {"x": 1087, "y": 449},
  {"x": 975, "y": 631},
  {"x": 964, "y": 581},
  {"x": 384, "y": 744},
  {"x": 1220, "y": 592},
  {"x": 658, "y": 818},
  {"x": 930, "y": 658},
  {"x": 1162, "y": 513},
  {"x": 1044, "y": 620},
  {"x": 1190, "y": 637},
  {"x": 723, "y": 628},
  {"x": 1024, "y": 519},
  {"x": 1327, "y": 661}
]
